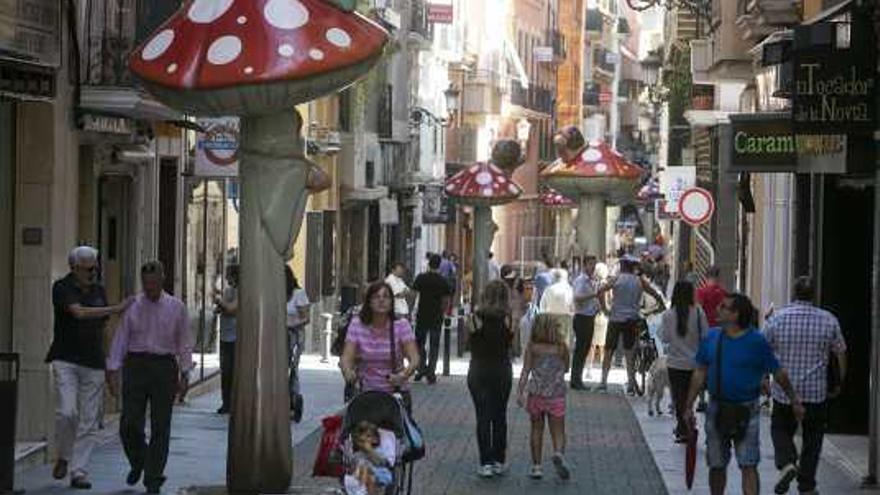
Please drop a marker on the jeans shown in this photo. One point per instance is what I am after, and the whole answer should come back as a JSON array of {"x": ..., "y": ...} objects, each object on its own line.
[
  {"x": 583, "y": 339},
  {"x": 782, "y": 429},
  {"x": 429, "y": 366},
  {"x": 227, "y": 367},
  {"x": 147, "y": 380},
  {"x": 490, "y": 385},
  {"x": 679, "y": 382},
  {"x": 77, "y": 413},
  {"x": 295, "y": 345},
  {"x": 748, "y": 449}
]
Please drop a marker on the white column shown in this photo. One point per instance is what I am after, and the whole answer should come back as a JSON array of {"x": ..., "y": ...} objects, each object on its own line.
[{"x": 591, "y": 220}]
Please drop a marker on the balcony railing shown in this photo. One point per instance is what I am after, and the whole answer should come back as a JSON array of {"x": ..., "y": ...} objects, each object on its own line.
[
  {"x": 600, "y": 58},
  {"x": 591, "y": 95},
  {"x": 534, "y": 98},
  {"x": 419, "y": 24},
  {"x": 556, "y": 41},
  {"x": 110, "y": 30}
]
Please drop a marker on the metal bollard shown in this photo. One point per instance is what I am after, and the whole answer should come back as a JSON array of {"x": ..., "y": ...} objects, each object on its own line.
[
  {"x": 447, "y": 343},
  {"x": 328, "y": 336}
]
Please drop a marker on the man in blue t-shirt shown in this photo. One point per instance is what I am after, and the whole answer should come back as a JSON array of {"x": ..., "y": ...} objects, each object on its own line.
[{"x": 746, "y": 358}]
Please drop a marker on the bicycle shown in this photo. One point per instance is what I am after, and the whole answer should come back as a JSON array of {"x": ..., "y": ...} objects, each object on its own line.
[{"x": 645, "y": 352}]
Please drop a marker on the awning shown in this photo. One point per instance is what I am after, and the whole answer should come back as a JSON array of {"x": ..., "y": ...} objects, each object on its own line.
[
  {"x": 131, "y": 103},
  {"x": 517, "y": 64}
]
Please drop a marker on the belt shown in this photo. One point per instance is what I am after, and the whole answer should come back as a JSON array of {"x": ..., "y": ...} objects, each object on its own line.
[{"x": 151, "y": 356}]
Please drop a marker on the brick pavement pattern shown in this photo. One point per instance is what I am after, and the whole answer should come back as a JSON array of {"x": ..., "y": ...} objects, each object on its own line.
[{"x": 606, "y": 449}]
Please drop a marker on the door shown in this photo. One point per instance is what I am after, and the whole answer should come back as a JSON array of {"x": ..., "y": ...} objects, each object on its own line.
[
  {"x": 115, "y": 193},
  {"x": 7, "y": 221},
  {"x": 168, "y": 220}
]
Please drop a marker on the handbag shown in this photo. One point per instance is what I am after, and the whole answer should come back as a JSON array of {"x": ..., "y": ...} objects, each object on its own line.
[
  {"x": 413, "y": 440},
  {"x": 732, "y": 418},
  {"x": 328, "y": 460}
]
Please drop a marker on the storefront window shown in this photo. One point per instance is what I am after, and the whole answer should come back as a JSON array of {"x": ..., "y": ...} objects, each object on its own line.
[{"x": 211, "y": 245}]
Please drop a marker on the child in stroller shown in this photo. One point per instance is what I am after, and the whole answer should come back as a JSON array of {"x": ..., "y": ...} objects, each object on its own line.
[{"x": 373, "y": 446}]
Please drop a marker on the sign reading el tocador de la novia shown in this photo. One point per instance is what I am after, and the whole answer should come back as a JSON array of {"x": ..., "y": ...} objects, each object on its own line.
[{"x": 833, "y": 89}]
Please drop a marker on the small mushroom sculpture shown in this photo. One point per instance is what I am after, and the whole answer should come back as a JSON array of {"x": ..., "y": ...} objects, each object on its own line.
[
  {"x": 482, "y": 185},
  {"x": 595, "y": 175},
  {"x": 257, "y": 59}
]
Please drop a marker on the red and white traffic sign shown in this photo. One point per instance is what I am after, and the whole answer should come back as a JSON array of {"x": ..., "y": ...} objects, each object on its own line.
[{"x": 696, "y": 206}]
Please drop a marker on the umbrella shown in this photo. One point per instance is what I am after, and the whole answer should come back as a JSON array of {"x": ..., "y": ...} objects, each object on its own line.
[{"x": 690, "y": 458}]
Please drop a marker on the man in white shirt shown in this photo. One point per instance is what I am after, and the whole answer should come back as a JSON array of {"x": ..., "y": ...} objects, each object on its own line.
[
  {"x": 558, "y": 302},
  {"x": 494, "y": 268},
  {"x": 399, "y": 288}
]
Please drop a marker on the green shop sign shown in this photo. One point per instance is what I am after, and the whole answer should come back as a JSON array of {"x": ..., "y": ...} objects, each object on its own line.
[{"x": 766, "y": 143}]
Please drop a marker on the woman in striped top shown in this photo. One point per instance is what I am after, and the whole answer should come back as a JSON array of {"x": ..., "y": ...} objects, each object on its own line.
[{"x": 368, "y": 343}]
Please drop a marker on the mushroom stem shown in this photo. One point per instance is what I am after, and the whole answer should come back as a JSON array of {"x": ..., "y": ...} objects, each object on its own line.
[
  {"x": 273, "y": 179},
  {"x": 591, "y": 219},
  {"x": 484, "y": 232}
]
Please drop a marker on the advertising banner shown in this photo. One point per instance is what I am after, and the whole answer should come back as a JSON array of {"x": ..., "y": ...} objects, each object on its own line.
[{"x": 217, "y": 147}]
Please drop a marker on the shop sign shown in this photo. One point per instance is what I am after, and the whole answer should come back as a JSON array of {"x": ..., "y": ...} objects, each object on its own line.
[
  {"x": 388, "y": 214},
  {"x": 107, "y": 125},
  {"x": 543, "y": 54},
  {"x": 30, "y": 31},
  {"x": 217, "y": 147},
  {"x": 833, "y": 89},
  {"x": 435, "y": 207},
  {"x": 674, "y": 181},
  {"x": 440, "y": 13},
  {"x": 769, "y": 145}
]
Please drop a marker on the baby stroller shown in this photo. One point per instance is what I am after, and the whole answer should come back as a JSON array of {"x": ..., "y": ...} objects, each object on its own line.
[{"x": 387, "y": 412}]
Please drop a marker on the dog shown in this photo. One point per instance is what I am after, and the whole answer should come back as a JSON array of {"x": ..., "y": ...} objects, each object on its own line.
[{"x": 658, "y": 382}]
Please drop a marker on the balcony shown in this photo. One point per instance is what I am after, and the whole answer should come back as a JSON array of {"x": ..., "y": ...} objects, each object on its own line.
[
  {"x": 591, "y": 95},
  {"x": 419, "y": 28},
  {"x": 110, "y": 31},
  {"x": 757, "y": 19},
  {"x": 603, "y": 62},
  {"x": 556, "y": 43},
  {"x": 533, "y": 98}
]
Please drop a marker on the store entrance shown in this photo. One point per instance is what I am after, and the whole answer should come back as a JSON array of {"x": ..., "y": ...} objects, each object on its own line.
[{"x": 846, "y": 261}]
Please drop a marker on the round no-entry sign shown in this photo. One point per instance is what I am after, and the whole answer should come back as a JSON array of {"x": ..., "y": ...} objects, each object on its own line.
[{"x": 696, "y": 206}]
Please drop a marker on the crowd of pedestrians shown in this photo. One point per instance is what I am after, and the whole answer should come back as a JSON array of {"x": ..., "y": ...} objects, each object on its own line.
[{"x": 713, "y": 343}]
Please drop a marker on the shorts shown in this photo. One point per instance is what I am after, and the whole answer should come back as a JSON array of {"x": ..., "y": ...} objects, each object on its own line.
[
  {"x": 748, "y": 450},
  {"x": 538, "y": 405},
  {"x": 628, "y": 329}
]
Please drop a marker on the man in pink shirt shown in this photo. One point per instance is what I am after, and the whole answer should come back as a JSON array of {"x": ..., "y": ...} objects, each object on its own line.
[{"x": 153, "y": 348}]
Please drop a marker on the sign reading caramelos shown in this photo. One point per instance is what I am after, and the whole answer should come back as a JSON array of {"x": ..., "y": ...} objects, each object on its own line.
[{"x": 805, "y": 144}]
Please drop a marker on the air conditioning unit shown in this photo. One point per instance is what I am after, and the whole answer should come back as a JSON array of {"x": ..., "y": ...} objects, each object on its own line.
[{"x": 701, "y": 60}]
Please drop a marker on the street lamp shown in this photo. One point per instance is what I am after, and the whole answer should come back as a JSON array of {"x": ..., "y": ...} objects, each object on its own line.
[{"x": 452, "y": 93}]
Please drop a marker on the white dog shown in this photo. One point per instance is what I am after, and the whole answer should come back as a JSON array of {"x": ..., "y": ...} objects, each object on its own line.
[{"x": 658, "y": 382}]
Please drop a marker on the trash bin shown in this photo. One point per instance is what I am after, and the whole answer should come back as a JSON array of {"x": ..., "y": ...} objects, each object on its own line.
[{"x": 9, "y": 367}]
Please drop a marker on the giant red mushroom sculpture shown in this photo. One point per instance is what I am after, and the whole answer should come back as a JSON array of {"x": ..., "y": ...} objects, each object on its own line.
[
  {"x": 258, "y": 59},
  {"x": 595, "y": 175},
  {"x": 482, "y": 185}
]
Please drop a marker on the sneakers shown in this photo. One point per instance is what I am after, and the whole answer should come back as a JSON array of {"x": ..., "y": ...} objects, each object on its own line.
[
  {"x": 133, "y": 477},
  {"x": 561, "y": 466},
  {"x": 485, "y": 471},
  {"x": 80, "y": 482},
  {"x": 499, "y": 469},
  {"x": 786, "y": 476},
  {"x": 537, "y": 472}
]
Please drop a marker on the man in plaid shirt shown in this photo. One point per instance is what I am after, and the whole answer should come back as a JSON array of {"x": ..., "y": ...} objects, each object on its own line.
[{"x": 803, "y": 337}]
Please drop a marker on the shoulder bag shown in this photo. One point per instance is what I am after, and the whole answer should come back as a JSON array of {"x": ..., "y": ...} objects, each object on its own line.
[
  {"x": 732, "y": 419},
  {"x": 413, "y": 440}
]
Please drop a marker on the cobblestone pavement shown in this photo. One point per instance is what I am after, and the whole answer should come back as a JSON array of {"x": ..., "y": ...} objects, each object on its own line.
[{"x": 605, "y": 448}]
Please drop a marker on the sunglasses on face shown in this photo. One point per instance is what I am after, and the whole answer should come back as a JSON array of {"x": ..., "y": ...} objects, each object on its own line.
[{"x": 90, "y": 269}]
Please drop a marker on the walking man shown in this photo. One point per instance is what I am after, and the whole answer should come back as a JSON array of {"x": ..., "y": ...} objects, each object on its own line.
[
  {"x": 805, "y": 338},
  {"x": 711, "y": 294},
  {"x": 434, "y": 293},
  {"x": 586, "y": 304},
  {"x": 623, "y": 323},
  {"x": 400, "y": 289},
  {"x": 77, "y": 357},
  {"x": 153, "y": 347},
  {"x": 735, "y": 359},
  {"x": 558, "y": 302}
]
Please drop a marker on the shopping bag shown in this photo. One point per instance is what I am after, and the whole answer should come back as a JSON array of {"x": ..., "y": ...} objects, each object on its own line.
[{"x": 328, "y": 461}]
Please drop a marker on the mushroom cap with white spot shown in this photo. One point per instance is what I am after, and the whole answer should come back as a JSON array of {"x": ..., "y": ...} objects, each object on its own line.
[
  {"x": 597, "y": 170},
  {"x": 290, "y": 51},
  {"x": 482, "y": 184},
  {"x": 551, "y": 198}
]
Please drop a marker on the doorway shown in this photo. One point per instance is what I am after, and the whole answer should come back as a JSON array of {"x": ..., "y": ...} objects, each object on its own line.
[
  {"x": 168, "y": 220},
  {"x": 115, "y": 237},
  {"x": 7, "y": 221}
]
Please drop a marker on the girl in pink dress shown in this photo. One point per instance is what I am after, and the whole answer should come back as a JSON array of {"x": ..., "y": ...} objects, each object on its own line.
[{"x": 542, "y": 391}]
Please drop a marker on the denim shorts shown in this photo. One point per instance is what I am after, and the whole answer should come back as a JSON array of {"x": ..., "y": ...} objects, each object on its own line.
[{"x": 748, "y": 450}]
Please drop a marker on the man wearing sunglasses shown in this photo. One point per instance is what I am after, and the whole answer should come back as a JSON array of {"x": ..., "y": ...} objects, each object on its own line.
[{"x": 77, "y": 357}]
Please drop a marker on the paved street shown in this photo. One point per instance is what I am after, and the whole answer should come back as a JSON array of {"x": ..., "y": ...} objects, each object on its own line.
[{"x": 614, "y": 447}]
